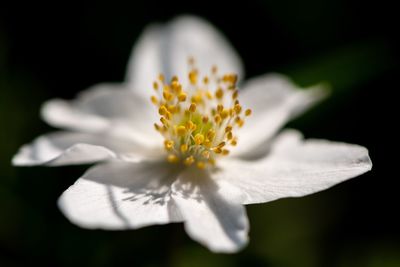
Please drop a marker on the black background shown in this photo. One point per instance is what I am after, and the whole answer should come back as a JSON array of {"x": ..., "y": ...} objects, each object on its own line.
[{"x": 57, "y": 49}]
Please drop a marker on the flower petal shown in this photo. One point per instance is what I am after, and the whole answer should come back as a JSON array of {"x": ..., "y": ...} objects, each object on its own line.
[
  {"x": 105, "y": 108},
  {"x": 65, "y": 148},
  {"x": 166, "y": 49},
  {"x": 274, "y": 100},
  {"x": 212, "y": 211},
  {"x": 146, "y": 61},
  {"x": 121, "y": 195},
  {"x": 295, "y": 168}
]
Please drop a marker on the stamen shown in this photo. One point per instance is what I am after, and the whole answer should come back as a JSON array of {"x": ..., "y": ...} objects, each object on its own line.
[
  {"x": 201, "y": 165},
  {"x": 169, "y": 144},
  {"x": 155, "y": 85},
  {"x": 219, "y": 93},
  {"x": 199, "y": 139},
  {"x": 189, "y": 161},
  {"x": 182, "y": 97},
  {"x": 192, "y": 107},
  {"x": 181, "y": 130},
  {"x": 172, "y": 158},
  {"x": 197, "y": 124},
  {"x": 184, "y": 148},
  {"x": 193, "y": 77},
  {"x": 154, "y": 100}
]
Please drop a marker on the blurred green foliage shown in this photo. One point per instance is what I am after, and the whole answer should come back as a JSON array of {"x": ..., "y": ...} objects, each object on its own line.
[{"x": 57, "y": 50}]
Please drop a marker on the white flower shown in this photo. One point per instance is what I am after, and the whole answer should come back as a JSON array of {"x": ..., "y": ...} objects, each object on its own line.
[{"x": 189, "y": 169}]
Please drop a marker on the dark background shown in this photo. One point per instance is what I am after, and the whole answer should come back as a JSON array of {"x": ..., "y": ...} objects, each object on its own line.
[{"x": 56, "y": 50}]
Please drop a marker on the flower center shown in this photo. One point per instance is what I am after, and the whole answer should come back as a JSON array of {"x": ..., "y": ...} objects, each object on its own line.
[{"x": 198, "y": 122}]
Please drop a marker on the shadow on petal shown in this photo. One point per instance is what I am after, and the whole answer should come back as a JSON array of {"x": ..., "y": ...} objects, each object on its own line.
[
  {"x": 122, "y": 195},
  {"x": 212, "y": 211}
]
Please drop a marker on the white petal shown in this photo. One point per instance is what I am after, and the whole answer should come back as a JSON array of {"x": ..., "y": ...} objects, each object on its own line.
[
  {"x": 274, "y": 100},
  {"x": 146, "y": 61},
  {"x": 295, "y": 168},
  {"x": 166, "y": 49},
  {"x": 212, "y": 211},
  {"x": 191, "y": 36},
  {"x": 64, "y": 148},
  {"x": 105, "y": 108},
  {"x": 121, "y": 195}
]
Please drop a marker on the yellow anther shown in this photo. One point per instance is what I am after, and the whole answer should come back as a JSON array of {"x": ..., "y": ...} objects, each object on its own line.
[
  {"x": 190, "y": 126},
  {"x": 219, "y": 94},
  {"x": 235, "y": 94},
  {"x": 222, "y": 144},
  {"x": 184, "y": 148},
  {"x": 211, "y": 161},
  {"x": 169, "y": 144},
  {"x": 192, "y": 107},
  {"x": 182, "y": 97},
  {"x": 199, "y": 139},
  {"x": 229, "y": 135},
  {"x": 220, "y": 108},
  {"x": 176, "y": 87},
  {"x": 224, "y": 113},
  {"x": 228, "y": 129},
  {"x": 168, "y": 96},
  {"x": 206, "y": 154},
  {"x": 181, "y": 130},
  {"x": 206, "y": 80},
  {"x": 247, "y": 112},
  {"x": 234, "y": 78},
  {"x": 172, "y": 158},
  {"x": 193, "y": 77},
  {"x": 164, "y": 121},
  {"x": 207, "y": 143},
  {"x": 217, "y": 118},
  {"x": 209, "y": 95},
  {"x": 201, "y": 165},
  {"x": 161, "y": 77},
  {"x": 157, "y": 127},
  {"x": 234, "y": 142},
  {"x": 168, "y": 115},
  {"x": 217, "y": 150},
  {"x": 230, "y": 78},
  {"x": 174, "y": 79},
  {"x": 197, "y": 98},
  {"x": 154, "y": 100},
  {"x": 162, "y": 110},
  {"x": 172, "y": 109},
  {"x": 214, "y": 69},
  {"x": 225, "y": 152},
  {"x": 155, "y": 85},
  {"x": 240, "y": 123},
  {"x": 189, "y": 161},
  {"x": 204, "y": 119},
  {"x": 237, "y": 108},
  {"x": 211, "y": 134}
]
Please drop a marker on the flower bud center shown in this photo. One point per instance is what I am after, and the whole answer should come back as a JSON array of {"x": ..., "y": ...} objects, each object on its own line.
[{"x": 198, "y": 120}]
